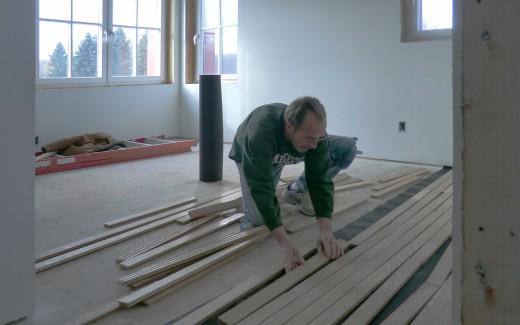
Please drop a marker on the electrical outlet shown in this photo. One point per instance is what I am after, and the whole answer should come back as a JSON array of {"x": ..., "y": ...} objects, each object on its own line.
[{"x": 402, "y": 126}]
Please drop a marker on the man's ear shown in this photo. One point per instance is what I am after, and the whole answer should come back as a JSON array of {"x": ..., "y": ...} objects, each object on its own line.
[{"x": 288, "y": 125}]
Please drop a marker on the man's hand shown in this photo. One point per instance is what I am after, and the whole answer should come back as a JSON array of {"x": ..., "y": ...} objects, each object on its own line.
[
  {"x": 292, "y": 258},
  {"x": 328, "y": 244}
]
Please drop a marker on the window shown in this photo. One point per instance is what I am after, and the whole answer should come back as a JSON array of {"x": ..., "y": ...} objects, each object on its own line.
[
  {"x": 212, "y": 26},
  {"x": 426, "y": 19},
  {"x": 101, "y": 41}
]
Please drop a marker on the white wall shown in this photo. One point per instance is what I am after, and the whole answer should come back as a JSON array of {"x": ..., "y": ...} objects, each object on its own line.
[
  {"x": 123, "y": 111},
  {"x": 16, "y": 161},
  {"x": 347, "y": 53}
]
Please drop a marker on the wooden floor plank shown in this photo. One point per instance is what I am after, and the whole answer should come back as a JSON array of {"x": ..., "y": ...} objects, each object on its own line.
[
  {"x": 162, "y": 219},
  {"x": 253, "y": 282},
  {"x": 443, "y": 268},
  {"x": 390, "y": 189},
  {"x": 369, "y": 309},
  {"x": 276, "y": 288},
  {"x": 333, "y": 291},
  {"x": 386, "y": 241},
  {"x": 154, "y": 221},
  {"x": 412, "y": 205},
  {"x": 139, "y": 215},
  {"x": 410, "y": 308},
  {"x": 89, "y": 249},
  {"x": 401, "y": 174},
  {"x": 139, "y": 295},
  {"x": 161, "y": 295},
  {"x": 194, "y": 254},
  {"x": 382, "y": 186},
  {"x": 161, "y": 250},
  {"x": 229, "y": 202},
  {"x": 353, "y": 186},
  {"x": 95, "y": 314},
  {"x": 299, "y": 224},
  {"x": 165, "y": 239},
  {"x": 438, "y": 309}
]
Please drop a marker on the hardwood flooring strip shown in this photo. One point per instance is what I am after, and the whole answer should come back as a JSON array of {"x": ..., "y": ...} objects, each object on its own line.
[
  {"x": 345, "y": 296},
  {"x": 139, "y": 295},
  {"x": 133, "y": 217},
  {"x": 256, "y": 280},
  {"x": 412, "y": 205},
  {"x": 197, "y": 234},
  {"x": 410, "y": 308},
  {"x": 369, "y": 309},
  {"x": 276, "y": 288},
  {"x": 400, "y": 185},
  {"x": 408, "y": 172},
  {"x": 389, "y": 240}
]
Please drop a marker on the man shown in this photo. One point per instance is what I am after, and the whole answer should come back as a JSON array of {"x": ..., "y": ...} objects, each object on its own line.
[{"x": 276, "y": 135}]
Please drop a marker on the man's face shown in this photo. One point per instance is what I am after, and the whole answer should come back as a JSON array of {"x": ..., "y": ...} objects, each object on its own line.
[{"x": 308, "y": 135}]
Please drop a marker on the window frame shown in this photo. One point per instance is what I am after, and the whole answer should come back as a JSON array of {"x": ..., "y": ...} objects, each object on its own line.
[
  {"x": 411, "y": 20},
  {"x": 106, "y": 79},
  {"x": 193, "y": 44}
]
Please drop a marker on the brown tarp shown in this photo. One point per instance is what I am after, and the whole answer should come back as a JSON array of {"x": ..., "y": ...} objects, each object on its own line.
[{"x": 84, "y": 143}]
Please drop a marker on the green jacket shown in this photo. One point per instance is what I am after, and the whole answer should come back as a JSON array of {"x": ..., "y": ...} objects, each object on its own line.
[{"x": 260, "y": 145}]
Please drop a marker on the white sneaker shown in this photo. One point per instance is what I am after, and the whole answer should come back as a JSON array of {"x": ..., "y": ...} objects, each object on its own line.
[{"x": 302, "y": 201}]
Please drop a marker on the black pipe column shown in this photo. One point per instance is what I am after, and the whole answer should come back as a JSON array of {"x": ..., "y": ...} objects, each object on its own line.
[{"x": 211, "y": 143}]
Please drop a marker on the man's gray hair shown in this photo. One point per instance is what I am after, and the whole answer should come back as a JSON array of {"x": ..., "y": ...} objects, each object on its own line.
[{"x": 298, "y": 108}]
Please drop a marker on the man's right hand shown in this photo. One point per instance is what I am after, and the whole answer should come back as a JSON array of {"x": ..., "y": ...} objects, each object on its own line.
[{"x": 292, "y": 258}]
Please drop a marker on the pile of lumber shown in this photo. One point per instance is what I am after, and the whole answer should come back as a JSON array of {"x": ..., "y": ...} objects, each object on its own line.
[{"x": 354, "y": 288}]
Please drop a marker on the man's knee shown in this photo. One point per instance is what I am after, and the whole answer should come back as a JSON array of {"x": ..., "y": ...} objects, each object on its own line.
[{"x": 343, "y": 150}]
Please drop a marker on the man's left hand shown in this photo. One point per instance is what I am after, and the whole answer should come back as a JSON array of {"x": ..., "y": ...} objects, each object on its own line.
[{"x": 328, "y": 243}]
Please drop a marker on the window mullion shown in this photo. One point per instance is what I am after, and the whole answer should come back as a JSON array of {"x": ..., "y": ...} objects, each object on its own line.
[
  {"x": 71, "y": 46},
  {"x": 221, "y": 39}
]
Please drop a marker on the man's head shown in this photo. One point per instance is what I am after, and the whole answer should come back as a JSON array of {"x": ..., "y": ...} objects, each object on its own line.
[{"x": 305, "y": 123}]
